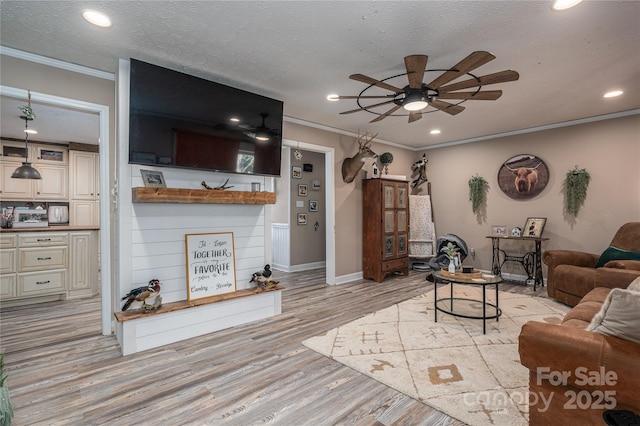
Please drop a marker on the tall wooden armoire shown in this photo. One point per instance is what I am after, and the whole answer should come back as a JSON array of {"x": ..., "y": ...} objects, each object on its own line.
[{"x": 385, "y": 233}]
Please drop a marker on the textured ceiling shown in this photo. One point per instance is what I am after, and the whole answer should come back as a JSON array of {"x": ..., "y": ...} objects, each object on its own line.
[{"x": 301, "y": 51}]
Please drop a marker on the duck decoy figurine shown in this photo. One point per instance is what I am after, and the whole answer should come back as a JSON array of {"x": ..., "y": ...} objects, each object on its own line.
[{"x": 147, "y": 297}]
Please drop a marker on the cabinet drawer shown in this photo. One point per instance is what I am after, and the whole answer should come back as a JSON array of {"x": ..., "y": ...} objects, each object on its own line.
[
  {"x": 7, "y": 261},
  {"x": 392, "y": 265},
  {"x": 34, "y": 283},
  {"x": 38, "y": 259},
  {"x": 42, "y": 239},
  {"x": 8, "y": 240},
  {"x": 7, "y": 286}
]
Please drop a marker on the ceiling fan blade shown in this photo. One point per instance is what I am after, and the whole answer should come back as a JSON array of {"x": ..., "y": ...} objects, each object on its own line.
[
  {"x": 415, "y": 64},
  {"x": 471, "y": 62},
  {"x": 415, "y": 116},
  {"x": 487, "y": 95},
  {"x": 368, "y": 106},
  {"x": 386, "y": 114},
  {"x": 447, "y": 107},
  {"x": 495, "y": 78},
  {"x": 365, "y": 97},
  {"x": 368, "y": 80}
]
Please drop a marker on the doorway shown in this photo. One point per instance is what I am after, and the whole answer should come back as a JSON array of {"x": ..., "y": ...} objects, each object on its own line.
[
  {"x": 105, "y": 226},
  {"x": 329, "y": 202}
]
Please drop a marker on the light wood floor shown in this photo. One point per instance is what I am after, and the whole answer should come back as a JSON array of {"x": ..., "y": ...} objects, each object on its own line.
[{"x": 63, "y": 371}]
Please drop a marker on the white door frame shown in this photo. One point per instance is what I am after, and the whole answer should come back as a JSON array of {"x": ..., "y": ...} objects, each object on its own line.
[
  {"x": 330, "y": 188},
  {"x": 105, "y": 225}
]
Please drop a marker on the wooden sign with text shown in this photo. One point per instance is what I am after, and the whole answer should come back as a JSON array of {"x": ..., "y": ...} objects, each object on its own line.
[{"x": 211, "y": 267}]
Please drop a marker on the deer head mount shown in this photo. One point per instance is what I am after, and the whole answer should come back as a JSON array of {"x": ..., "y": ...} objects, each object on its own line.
[{"x": 351, "y": 166}]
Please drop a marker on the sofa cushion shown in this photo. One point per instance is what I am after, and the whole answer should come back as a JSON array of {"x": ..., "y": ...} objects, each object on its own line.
[
  {"x": 614, "y": 253},
  {"x": 634, "y": 285},
  {"x": 618, "y": 315}
]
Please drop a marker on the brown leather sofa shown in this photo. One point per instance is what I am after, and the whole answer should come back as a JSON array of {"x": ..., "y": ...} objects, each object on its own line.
[
  {"x": 587, "y": 359},
  {"x": 572, "y": 274}
]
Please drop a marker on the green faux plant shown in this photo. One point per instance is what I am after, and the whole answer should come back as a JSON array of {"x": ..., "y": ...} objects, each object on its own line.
[
  {"x": 386, "y": 158},
  {"x": 477, "y": 188},
  {"x": 576, "y": 184},
  {"x": 6, "y": 409},
  {"x": 450, "y": 250}
]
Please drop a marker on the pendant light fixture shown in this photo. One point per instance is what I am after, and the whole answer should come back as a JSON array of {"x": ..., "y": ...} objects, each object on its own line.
[{"x": 26, "y": 171}]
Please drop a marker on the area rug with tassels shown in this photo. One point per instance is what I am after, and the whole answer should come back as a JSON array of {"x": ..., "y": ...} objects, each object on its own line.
[{"x": 449, "y": 365}]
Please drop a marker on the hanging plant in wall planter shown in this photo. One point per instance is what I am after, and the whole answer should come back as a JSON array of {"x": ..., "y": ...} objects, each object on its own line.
[
  {"x": 477, "y": 190},
  {"x": 575, "y": 186}
]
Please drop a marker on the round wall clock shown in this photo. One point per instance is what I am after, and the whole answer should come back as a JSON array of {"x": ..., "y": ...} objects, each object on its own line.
[{"x": 523, "y": 176}]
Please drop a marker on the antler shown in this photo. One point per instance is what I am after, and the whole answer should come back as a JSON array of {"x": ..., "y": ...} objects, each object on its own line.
[{"x": 366, "y": 141}]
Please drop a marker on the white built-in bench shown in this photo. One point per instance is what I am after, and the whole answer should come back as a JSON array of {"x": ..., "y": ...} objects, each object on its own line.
[{"x": 139, "y": 330}]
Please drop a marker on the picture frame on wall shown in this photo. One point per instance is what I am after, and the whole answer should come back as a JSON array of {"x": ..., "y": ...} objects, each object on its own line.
[
  {"x": 302, "y": 190},
  {"x": 313, "y": 205},
  {"x": 499, "y": 231},
  {"x": 316, "y": 185},
  {"x": 296, "y": 172},
  {"x": 302, "y": 218},
  {"x": 153, "y": 179},
  {"x": 534, "y": 227}
]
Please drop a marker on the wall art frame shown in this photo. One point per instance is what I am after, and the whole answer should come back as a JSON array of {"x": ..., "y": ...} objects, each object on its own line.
[
  {"x": 296, "y": 172},
  {"x": 153, "y": 179},
  {"x": 313, "y": 205},
  {"x": 302, "y": 190},
  {"x": 523, "y": 176},
  {"x": 302, "y": 219},
  {"x": 534, "y": 226}
]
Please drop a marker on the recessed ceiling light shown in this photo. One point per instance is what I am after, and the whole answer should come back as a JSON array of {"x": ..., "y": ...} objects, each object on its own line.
[
  {"x": 333, "y": 98},
  {"x": 234, "y": 119},
  {"x": 565, "y": 4},
  {"x": 97, "y": 18},
  {"x": 435, "y": 132},
  {"x": 613, "y": 94},
  {"x": 31, "y": 131}
]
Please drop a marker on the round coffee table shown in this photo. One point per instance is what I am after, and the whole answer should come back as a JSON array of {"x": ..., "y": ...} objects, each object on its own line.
[{"x": 460, "y": 278}]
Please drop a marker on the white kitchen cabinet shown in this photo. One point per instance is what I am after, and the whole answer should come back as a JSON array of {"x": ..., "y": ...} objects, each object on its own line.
[
  {"x": 14, "y": 189},
  {"x": 47, "y": 265},
  {"x": 84, "y": 213},
  {"x": 84, "y": 176},
  {"x": 50, "y": 161},
  {"x": 83, "y": 260},
  {"x": 54, "y": 183}
]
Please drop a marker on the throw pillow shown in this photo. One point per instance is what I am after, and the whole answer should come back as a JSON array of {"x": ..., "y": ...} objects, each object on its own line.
[
  {"x": 614, "y": 253},
  {"x": 634, "y": 285},
  {"x": 618, "y": 315}
]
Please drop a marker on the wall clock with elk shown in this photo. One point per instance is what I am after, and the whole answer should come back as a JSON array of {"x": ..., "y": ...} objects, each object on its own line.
[
  {"x": 444, "y": 90},
  {"x": 523, "y": 176}
]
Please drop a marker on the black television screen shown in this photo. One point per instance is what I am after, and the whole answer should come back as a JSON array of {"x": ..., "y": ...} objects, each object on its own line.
[{"x": 179, "y": 120}]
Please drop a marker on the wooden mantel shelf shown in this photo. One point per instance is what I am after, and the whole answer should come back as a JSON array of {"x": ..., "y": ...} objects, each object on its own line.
[{"x": 200, "y": 196}]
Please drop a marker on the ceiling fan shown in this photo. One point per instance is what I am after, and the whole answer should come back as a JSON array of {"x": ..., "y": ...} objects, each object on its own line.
[{"x": 417, "y": 95}]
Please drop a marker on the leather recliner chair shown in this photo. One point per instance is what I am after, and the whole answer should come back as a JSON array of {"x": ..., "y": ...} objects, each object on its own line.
[{"x": 572, "y": 274}]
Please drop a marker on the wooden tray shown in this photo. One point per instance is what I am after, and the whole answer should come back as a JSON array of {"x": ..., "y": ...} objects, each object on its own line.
[{"x": 460, "y": 274}]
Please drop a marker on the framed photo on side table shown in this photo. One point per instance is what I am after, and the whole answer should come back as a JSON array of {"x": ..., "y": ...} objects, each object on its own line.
[
  {"x": 153, "y": 179},
  {"x": 499, "y": 231},
  {"x": 534, "y": 227}
]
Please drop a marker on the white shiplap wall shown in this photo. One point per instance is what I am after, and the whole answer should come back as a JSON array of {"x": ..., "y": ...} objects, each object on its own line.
[{"x": 158, "y": 231}]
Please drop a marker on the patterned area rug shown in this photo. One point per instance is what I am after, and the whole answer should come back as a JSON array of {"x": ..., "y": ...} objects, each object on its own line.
[{"x": 449, "y": 365}]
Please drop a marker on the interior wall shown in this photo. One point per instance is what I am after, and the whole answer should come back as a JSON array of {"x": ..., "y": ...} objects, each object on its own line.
[
  {"x": 348, "y": 196},
  {"x": 308, "y": 242},
  {"x": 609, "y": 150}
]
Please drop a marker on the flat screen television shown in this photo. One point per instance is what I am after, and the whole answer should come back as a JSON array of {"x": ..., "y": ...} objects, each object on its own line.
[{"x": 179, "y": 120}]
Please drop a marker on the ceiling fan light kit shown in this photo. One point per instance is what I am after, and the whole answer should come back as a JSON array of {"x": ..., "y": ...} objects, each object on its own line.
[{"x": 417, "y": 95}]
